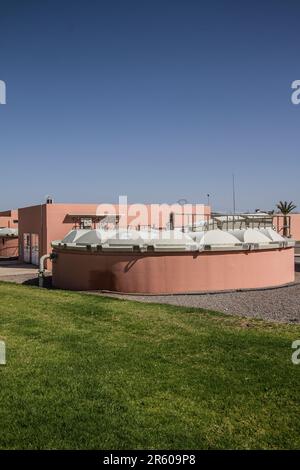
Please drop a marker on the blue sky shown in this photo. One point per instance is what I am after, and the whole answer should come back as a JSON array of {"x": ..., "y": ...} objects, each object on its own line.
[{"x": 158, "y": 100}]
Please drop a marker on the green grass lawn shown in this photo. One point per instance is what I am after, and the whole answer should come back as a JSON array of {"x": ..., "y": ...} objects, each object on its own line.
[{"x": 86, "y": 372}]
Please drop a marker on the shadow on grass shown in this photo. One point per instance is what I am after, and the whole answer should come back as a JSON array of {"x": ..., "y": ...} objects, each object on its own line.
[{"x": 35, "y": 282}]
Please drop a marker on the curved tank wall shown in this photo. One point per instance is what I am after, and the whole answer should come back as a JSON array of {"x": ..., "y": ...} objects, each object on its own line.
[
  {"x": 172, "y": 272},
  {"x": 9, "y": 243},
  {"x": 9, "y": 247}
]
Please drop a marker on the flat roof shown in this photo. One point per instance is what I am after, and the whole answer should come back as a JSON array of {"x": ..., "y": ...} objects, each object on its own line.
[
  {"x": 86, "y": 215},
  {"x": 6, "y": 213}
]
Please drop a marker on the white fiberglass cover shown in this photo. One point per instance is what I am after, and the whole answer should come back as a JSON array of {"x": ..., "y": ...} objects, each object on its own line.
[
  {"x": 255, "y": 236},
  {"x": 196, "y": 236},
  {"x": 152, "y": 237},
  {"x": 5, "y": 232},
  {"x": 250, "y": 235},
  {"x": 238, "y": 233},
  {"x": 124, "y": 236},
  {"x": 176, "y": 234},
  {"x": 272, "y": 234},
  {"x": 87, "y": 236},
  {"x": 73, "y": 235},
  {"x": 173, "y": 240},
  {"x": 94, "y": 237},
  {"x": 218, "y": 237}
]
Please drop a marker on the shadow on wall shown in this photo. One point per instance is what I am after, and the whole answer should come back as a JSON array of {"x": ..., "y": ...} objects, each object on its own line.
[
  {"x": 105, "y": 279},
  {"x": 130, "y": 264}
]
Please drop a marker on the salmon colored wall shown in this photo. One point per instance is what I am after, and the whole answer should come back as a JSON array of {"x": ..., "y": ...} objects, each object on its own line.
[
  {"x": 48, "y": 221},
  {"x": 57, "y": 224},
  {"x": 162, "y": 273},
  {"x": 33, "y": 220},
  {"x": 295, "y": 224},
  {"x": 9, "y": 247},
  {"x": 8, "y": 219}
]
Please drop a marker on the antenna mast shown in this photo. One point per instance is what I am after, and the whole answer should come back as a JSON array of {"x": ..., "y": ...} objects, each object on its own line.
[{"x": 233, "y": 192}]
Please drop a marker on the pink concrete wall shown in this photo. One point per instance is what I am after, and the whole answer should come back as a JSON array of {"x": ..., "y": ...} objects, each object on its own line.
[
  {"x": 8, "y": 219},
  {"x": 294, "y": 221},
  {"x": 58, "y": 225},
  {"x": 49, "y": 222},
  {"x": 33, "y": 220},
  {"x": 162, "y": 273}
]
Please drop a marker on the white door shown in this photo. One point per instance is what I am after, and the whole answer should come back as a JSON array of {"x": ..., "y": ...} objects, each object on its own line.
[
  {"x": 35, "y": 249},
  {"x": 26, "y": 247}
]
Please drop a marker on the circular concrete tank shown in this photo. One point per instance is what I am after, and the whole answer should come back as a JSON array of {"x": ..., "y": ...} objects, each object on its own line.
[
  {"x": 174, "y": 262},
  {"x": 9, "y": 243}
]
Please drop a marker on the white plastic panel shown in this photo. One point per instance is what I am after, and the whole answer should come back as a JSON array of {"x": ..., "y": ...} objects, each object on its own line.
[
  {"x": 272, "y": 234},
  {"x": 73, "y": 235},
  {"x": 252, "y": 235},
  {"x": 196, "y": 236},
  {"x": 173, "y": 240},
  {"x": 8, "y": 232},
  {"x": 218, "y": 237}
]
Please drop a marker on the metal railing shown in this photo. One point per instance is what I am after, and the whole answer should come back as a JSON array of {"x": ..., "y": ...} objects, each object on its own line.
[
  {"x": 194, "y": 222},
  {"x": 229, "y": 221}
]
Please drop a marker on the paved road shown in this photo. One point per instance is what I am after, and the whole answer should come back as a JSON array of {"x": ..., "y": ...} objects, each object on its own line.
[{"x": 17, "y": 272}]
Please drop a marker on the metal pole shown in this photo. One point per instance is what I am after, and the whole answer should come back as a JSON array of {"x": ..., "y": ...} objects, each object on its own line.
[{"x": 233, "y": 192}]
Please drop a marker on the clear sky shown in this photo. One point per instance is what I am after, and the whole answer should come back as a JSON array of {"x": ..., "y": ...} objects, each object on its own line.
[{"x": 158, "y": 100}]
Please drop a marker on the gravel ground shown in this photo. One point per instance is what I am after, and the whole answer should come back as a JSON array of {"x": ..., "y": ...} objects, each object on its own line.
[{"x": 277, "y": 304}]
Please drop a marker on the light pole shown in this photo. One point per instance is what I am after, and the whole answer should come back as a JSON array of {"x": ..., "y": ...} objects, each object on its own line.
[{"x": 233, "y": 193}]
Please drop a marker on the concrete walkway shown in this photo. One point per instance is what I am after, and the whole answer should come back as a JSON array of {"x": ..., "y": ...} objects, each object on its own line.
[{"x": 13, "y": 271}]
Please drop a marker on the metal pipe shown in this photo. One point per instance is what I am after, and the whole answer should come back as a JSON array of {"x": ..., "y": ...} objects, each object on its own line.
[
  {"x": 42, "y": 269},
  {"x": 172, "y": 221}
]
